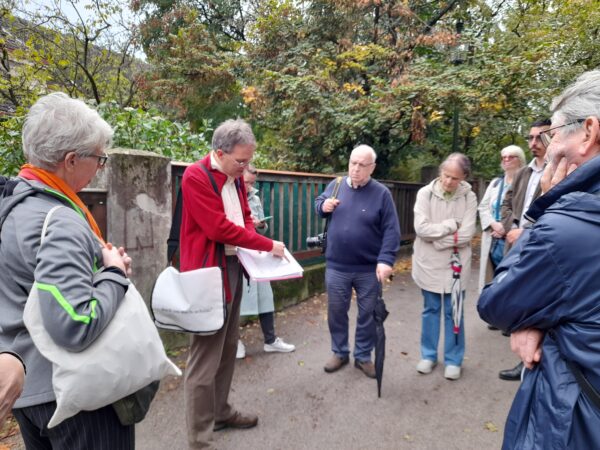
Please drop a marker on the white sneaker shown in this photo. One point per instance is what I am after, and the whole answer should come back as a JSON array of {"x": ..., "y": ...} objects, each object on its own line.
[
  {"x": 425, "y": 366},
  {"x": 241, "y": 350},
  {"x": 279, "y": 346},
  {"x": 452, "y": 372}
]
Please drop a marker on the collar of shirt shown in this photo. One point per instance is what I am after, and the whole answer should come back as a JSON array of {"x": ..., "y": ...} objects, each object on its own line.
[
  {"x": 533, "y": 166},
  {"x": 349, "y": 183},
  {"x": 214, "y": 163}
]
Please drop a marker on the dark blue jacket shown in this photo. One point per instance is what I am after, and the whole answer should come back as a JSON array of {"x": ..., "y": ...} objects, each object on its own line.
[{"x": 551, "y": 281}]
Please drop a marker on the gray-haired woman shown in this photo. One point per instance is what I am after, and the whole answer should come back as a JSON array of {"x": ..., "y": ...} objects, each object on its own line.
[
  {"x": 80, "y": 280},
  {"x": 493, "y": 232},
  {"x": 445, "y": 213}
]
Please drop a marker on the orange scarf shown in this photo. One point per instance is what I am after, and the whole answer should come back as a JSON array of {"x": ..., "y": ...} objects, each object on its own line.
[{"x": 30, "y": 172}]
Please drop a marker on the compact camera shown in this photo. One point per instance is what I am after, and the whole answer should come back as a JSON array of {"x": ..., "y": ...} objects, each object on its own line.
[{"x": 318, "y": 241}]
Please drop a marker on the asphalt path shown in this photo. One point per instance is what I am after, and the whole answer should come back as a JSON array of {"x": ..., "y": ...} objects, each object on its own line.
[{"x": 302, "y": 407}]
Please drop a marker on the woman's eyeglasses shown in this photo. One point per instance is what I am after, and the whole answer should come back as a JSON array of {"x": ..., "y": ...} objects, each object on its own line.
[{"x": 102, "y": 159}]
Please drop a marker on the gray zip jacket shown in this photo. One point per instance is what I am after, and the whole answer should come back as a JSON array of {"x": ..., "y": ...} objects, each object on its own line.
[{"x": 78, "y": 298}]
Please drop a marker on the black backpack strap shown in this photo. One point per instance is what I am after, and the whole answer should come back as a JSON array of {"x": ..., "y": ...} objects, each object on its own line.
[
  {"x": 173, "y": 240},
  {"x": 220, "y": 246}
]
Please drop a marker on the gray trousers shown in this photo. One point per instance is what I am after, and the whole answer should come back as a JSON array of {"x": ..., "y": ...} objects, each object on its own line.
[{"x": 209, "y": 370}]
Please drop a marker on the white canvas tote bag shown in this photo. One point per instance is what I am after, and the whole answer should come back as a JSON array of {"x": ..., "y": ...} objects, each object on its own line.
[
  {"x": 192, "y": 302},
  {"x": 126, "y": 357}
]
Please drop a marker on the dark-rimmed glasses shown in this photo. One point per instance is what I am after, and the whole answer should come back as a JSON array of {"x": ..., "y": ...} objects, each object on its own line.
[
  {"x": 102, "y": 159},
  {"x": 546, "y": 135}
]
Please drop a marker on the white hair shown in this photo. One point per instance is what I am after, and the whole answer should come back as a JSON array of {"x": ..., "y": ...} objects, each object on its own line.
[
  {"x": 57, "y": 124},
  {"x": 365, "y": 148},
  {"x": 514, "y": 150},
  {"x": 578, "y": 101}
]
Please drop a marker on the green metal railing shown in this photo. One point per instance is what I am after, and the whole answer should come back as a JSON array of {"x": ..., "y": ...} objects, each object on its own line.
[{"x": 289, "y": 198}]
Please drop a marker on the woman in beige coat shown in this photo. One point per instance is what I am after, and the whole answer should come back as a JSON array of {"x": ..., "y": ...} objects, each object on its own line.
[
  {"x": 445, "y": 213},
  {"x": 513, "y": 159}
]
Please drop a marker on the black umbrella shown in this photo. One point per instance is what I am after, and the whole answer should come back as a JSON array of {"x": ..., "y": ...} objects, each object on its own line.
[{"x": 379, "y": 314}]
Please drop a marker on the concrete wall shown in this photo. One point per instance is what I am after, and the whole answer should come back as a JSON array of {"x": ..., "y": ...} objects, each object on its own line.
[{"x": 138, "y": 186}]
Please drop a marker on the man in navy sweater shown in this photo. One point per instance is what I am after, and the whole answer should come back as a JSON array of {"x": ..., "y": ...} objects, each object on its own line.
[{"x": 363, "y": 237}]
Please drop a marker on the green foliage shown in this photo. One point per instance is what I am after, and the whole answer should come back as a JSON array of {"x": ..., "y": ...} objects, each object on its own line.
[
  {"x": 11, "y": 153},
  {"x": 192, "y": 77},
  {"x": 134, "y": 128},
  {"x": 318, "y": 77},
  {"x": 85, "y": 50},
  {"x": 147, "y": 130}
]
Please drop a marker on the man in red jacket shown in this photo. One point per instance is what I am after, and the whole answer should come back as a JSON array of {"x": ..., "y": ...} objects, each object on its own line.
[{"x": 212, "y": 226}]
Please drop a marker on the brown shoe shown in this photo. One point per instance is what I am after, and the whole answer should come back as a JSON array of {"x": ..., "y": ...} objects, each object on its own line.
[
  {"x": 366, "y": 366},
  {"x": 335, "y": 363},
  {"x": 238, "y": 420}
]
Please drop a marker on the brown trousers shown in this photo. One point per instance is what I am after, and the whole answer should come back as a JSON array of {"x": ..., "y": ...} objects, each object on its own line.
[{"x": 210, "y": 368}]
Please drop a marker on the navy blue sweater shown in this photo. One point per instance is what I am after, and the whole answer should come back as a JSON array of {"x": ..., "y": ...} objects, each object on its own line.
[{"x": 363, "y": 229}]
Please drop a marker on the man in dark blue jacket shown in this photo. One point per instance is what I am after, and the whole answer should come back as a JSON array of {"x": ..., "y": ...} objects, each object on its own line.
[
  {"x": 362, "y": 241},
  {"x": 547, "y": 290}
]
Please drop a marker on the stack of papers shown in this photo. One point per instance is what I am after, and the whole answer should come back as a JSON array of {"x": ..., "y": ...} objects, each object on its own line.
[{"x": 263, "y": 266}]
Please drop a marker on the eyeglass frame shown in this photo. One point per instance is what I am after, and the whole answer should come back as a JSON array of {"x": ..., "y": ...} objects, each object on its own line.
[
  {"x": 102, "y": 159},
  {"x": 360, "y": 165},
  {"x": 545, "y": 137},
  {"x": 239, "y": 163}
]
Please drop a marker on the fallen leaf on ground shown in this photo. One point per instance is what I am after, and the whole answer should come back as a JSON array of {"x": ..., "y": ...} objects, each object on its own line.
[
  {"x": 10, "y": 428},
  {"x": 490, "y": 426}
]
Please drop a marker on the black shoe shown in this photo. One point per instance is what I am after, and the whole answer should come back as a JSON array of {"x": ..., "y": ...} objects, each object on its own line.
[{"x": 513, "y": 374}]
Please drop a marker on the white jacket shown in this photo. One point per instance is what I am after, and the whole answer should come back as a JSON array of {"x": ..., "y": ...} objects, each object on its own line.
[
  {"x": 436, "y": 221},
  {"x": 486, "y": 270}
]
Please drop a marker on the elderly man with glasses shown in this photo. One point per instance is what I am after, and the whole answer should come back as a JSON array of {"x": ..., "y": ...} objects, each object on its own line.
[
  {"x": 212, "y": 225},
  {"x": 547, "y": 290},
  {"x": 362, "y": 241}
]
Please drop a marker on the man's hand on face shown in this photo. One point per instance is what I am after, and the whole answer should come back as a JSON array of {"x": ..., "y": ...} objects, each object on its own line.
[
  {"x": 513, "y": 235},
  {"x": 527, "y": 344},
  {"x": 555, "y": 174},
  {"x": 383, "y": 272},
  {"x": 12, "y": 377},
  {"x": 330, "y": 204}
]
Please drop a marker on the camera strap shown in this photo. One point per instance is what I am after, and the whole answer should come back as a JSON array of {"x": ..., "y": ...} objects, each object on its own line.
[{"x": 336, "y": 189}]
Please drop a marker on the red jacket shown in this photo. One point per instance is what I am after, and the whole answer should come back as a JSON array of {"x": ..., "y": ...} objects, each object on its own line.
[{"x": 204, "y": 224}]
